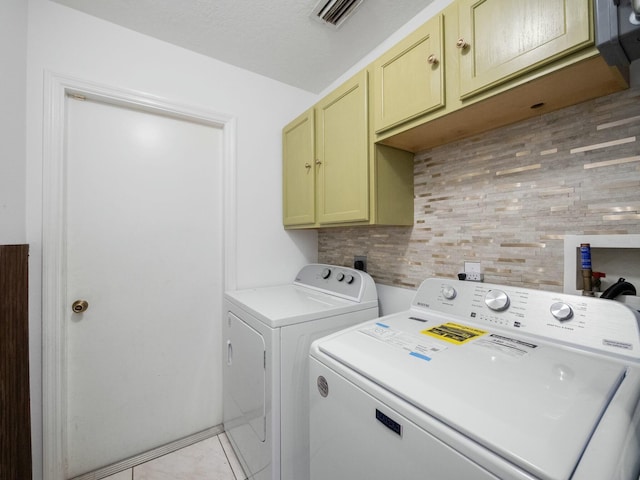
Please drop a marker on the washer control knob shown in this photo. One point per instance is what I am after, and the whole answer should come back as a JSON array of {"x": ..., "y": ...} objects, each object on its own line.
[
  {"x": 326, "y": 273},
  {"x": 340, "y": 277},
  {"x": 350, "y": 279},
  {"x": 561, "y": 311},
  {"x": 449, "y": 292},
  {"x": 496, "y": 300}
]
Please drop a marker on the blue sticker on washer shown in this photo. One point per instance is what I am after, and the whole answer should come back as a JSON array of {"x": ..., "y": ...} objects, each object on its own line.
[
  {"x": 419, "y": 355},
  {"x": 382, "y": 325}
]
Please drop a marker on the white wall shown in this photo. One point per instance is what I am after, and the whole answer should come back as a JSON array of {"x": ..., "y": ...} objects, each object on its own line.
[
  {"x": 66, "y": 42},
  {"x": 13, "y": 54}
]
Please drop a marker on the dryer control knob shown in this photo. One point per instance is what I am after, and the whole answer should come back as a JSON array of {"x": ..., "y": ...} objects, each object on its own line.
[
  {"x": 561, "y": 311},
  {"x": 449, "y": 292},
  {"x": 340, "y": 277},
  {"x": 350, "y": 279},
  {"x": 326, "y": 273},
  {"x": 496, "y": 300}
]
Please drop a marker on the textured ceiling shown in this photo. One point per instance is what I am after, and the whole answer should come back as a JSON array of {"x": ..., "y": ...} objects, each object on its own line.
[{"x": 275, "y": 38}]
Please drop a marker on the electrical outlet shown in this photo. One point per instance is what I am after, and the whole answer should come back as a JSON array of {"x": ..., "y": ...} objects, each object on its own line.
[
  {"x": 474, "y": 277},
  {"x": 360, "y": 262},
  {"x": 472, "y": 272}
]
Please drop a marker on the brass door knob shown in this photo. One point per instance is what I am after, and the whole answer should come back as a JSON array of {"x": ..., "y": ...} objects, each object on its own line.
[
  {"x": 79, "y": 306},
  {"x": 432, "y": 59}
]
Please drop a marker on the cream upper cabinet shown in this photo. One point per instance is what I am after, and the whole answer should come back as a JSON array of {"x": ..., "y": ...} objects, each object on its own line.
[
  {"x": 342, "y": 153},
  {"x": 501, "y": 39},
  {"x": 333, "y": 175},
  {"x": 409, "y": 78},
  {"x": 298, "y": 168}
]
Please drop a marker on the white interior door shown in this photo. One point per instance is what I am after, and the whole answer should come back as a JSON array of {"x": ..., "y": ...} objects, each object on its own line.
[{"x": 143, "y": 219}]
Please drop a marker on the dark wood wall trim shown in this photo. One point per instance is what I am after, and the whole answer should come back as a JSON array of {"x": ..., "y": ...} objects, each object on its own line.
[{"x": 15, "y": 420}]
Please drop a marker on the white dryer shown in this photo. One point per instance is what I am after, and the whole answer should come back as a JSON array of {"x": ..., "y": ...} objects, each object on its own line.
[
  {"x": 478, "y": 382},
  {"x": 267, "y": 335}
]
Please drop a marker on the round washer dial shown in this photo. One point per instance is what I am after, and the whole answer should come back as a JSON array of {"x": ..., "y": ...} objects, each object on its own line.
[
  {"x": 496, "y": 300},
  {"x": 449, "y": 292},
  {"x": 561, "y": 311}
]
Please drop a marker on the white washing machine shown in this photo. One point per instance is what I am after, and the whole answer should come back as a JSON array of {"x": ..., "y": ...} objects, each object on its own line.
[
  {"x": 478, "y": 382},
  {"x": 267, "y": 336}
]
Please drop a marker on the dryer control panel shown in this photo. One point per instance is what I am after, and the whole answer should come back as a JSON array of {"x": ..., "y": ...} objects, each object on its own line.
[
  {"x": 344, "y": 282},
  {"x": 595, "y": 324}
]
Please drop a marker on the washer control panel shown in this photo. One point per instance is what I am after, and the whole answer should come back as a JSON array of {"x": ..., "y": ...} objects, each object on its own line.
[
  {"x": 340, "y": 281},
  {"x": 593, "y": 323}
]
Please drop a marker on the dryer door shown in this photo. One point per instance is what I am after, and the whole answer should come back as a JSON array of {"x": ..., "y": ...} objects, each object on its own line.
[{"x": 245, "y": 394}]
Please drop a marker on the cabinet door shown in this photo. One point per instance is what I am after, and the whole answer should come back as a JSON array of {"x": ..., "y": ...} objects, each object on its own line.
[
  {"x": 507, "y": 38},
  {"x": 298, "y": 203},
  {"x": 342, "y": 153},
  {"x": 409, "y": 78}
]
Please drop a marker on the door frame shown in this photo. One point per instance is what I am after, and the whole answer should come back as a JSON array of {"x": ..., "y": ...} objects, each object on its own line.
[{"x": 57, "y": 88}]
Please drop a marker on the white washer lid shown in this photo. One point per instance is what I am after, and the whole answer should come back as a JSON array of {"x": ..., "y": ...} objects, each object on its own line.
[
  {"x": 289, "y": 304},
  {"x": 535, "y": 405}
]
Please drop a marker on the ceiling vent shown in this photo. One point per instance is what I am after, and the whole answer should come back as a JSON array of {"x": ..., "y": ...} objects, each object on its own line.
[{"x": 334, "y": 12}]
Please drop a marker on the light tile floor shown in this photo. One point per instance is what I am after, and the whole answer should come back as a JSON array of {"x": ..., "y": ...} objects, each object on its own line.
[{"x": 210, "y": 459}]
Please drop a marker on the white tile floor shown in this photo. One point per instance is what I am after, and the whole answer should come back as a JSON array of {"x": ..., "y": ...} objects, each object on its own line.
[{"x": 210, "y": 459}]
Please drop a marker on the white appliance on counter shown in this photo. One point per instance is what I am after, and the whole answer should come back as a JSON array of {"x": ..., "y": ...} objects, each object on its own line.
[
  {"x": 480, "y": 381},
  {"x": 267, "y": 335}
]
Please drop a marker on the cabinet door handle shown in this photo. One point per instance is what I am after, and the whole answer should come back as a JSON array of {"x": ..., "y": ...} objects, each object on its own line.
[
  {"x": 432, "y": 59},
  {"x": 462, "y": 44},
  {"x": 307, "y": 165},
  {"x": 318, "y": 162}
]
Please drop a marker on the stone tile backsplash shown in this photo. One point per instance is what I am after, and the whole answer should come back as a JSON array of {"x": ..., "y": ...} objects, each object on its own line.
[{"x": 508, "y": 197}]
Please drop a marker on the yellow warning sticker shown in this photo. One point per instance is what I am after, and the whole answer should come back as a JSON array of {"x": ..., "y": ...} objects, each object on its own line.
[{"x": 454, "y": 333}]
